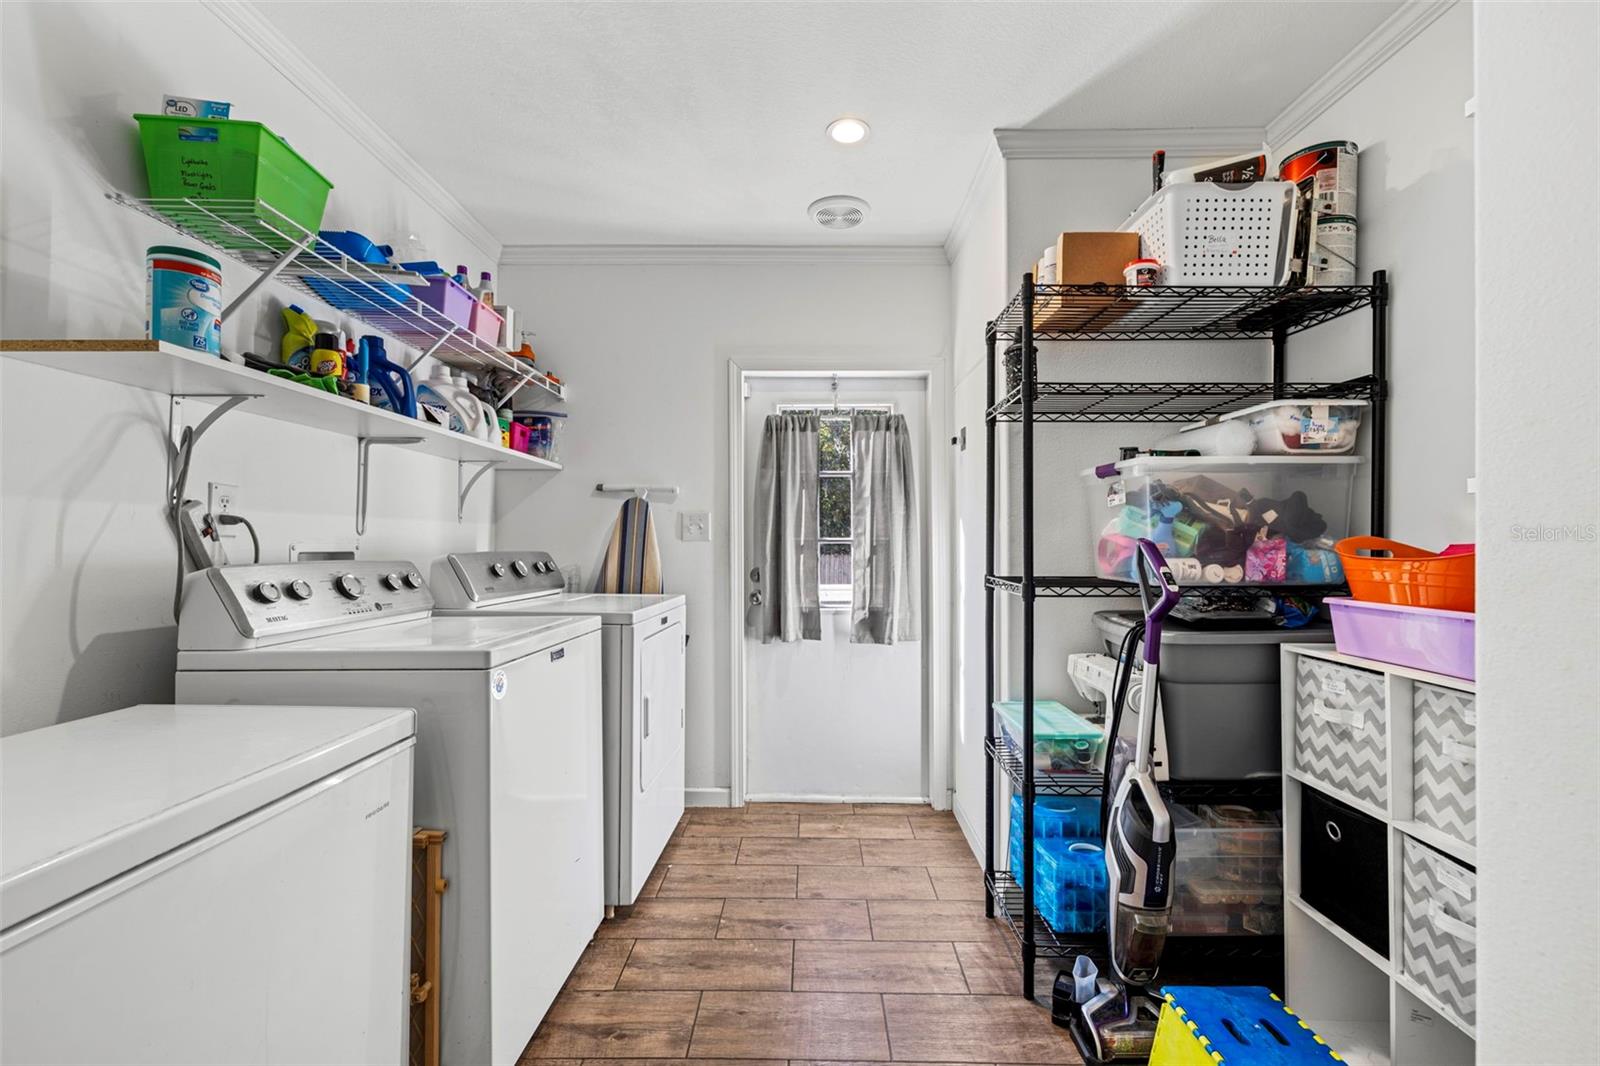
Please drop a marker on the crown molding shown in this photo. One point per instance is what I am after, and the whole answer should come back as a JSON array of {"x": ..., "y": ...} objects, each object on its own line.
[
  {"x": 717, "y": 254},
  {"x": 1127, "y": 144},
  {"x": 991, "y": 165},
  {"x": 1376, "y": 49},
  {"x": 285, "y": 56}
]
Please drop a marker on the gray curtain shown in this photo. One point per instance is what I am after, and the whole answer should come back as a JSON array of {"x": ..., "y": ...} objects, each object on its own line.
[
  {"x": 885, "y": 552},
  {"x": 783, "y": 578}
]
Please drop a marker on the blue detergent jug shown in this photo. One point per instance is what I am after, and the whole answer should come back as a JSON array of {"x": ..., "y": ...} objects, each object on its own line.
[{"x": 392, "y": 387}]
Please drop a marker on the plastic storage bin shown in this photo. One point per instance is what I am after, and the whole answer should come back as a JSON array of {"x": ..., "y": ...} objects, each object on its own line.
[
  {"x": 450, "y": 298},
  {"x": 1297, "y": 427},
  {"x": 545, "y": 432},
  {"x": 1256, "y": 520},
  {"x": 1341, "y": 733},
  {"x": 224, "y": 159},
  {"x": 1069, "y": 885},
  {"x": 1423, "y": 638},
  {"x": 1408, "y": 576},
  {"x": 485, "y": 322},
  {"x": 1207, "y": 234},
  {"x": 1054, "y": 818},
  {"x": 1220, "y": 700},
  {"x": 1061, "y": 739},
  {"x": 1228, "y": 873}
]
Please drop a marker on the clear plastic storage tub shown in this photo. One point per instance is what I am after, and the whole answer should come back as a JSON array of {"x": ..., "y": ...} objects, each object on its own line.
[
  {"x": 1069, "y": 885},
  {"x": 1299, "y": 427},
  {"x": 1254, "y": 520},
  {"x": 1054, "y": 818},
  {"x": 1228, "y": 873},
  {"x": 1062, "y": 740}
]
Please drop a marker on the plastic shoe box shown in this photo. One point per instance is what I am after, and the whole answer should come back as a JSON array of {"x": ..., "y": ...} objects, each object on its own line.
[
  {"x": 1054, "y": 818},
  {"x": 1069, "y": 885},
  {"x": 1228, "y": 872},
  {"x": 1062, "y": 740},
  {"x": 1255, "y": 520},
  {"x": 1220, "y": 698}
]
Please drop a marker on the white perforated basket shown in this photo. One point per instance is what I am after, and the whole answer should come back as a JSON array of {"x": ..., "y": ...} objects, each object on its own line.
[{"x": 1208, "y": 234}]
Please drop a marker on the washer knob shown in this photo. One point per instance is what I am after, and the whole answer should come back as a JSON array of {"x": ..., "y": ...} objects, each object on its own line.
[
  {"x": 413, "y": 579},
  {"x": 267, "y": 592},
  {"x": 300, "y": 589},
  {"x": 542, "y": 566},
  {"x": 519, "y": 568},
  {"x": 392, "y": 582},
  {"x": 497, "y": 569},
  {"x": 350, "y": 586}
]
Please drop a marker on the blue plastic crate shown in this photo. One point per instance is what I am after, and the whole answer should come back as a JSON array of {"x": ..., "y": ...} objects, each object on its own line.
[
  {"x": 1069, "y": 885},
  {"x": 1055, "y": 817}
]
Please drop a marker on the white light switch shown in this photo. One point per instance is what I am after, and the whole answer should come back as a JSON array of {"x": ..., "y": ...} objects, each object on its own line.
[{"x": 694, "y": 525}]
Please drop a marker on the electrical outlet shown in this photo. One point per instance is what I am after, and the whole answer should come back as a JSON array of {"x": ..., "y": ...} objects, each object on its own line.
[
  {"x": 694, "y": 525},
  {"x": 222, "y": 498}
]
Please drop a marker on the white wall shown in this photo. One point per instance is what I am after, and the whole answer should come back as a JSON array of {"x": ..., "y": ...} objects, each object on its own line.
[
  {"x": 828, "y": 719},
  {"x": 977, "y": 290},
  {"x": 645, "y": 350},
  {"x": 1538, "y": 572},
  {"x": 1415, "y": 206},
  {"x": 86, "y": 559}
]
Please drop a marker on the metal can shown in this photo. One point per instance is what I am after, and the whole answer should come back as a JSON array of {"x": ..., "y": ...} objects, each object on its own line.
[
  {"x": 1326, "y": 174},
  {"x": 1333, "y": 251}
]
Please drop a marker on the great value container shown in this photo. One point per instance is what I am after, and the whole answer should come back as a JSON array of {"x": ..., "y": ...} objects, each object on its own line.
[
  {"x": 183, "y": 299},
  {"x": 1220, "y": 520},
  {"x": 222, "y": 159}
]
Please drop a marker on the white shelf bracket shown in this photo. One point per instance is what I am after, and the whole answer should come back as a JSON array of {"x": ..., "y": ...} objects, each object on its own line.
[
  {"x": 463, "y": 491},
  {"x": 268, "y": 274},
  {"x": 363, "y": 465}
]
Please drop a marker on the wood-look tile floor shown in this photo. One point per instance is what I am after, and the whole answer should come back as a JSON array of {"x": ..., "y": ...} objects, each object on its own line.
[{"x": 812, "y": 934}]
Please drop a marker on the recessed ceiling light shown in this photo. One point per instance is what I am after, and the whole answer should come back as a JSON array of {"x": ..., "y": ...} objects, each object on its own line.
[{"x": 848, "y": 130}]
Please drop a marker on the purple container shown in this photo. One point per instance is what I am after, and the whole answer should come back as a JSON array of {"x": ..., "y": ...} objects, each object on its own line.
[
  {"x": 447, "y": 296},
  {"x": 1424, "y": 638}
]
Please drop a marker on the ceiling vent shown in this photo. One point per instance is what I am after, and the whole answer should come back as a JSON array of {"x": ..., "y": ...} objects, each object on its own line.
[{"x": 839, "y": 212}]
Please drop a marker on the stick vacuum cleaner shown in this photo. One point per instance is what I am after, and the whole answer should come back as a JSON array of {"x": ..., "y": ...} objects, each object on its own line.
[{"x": 1114, "y": 1019}]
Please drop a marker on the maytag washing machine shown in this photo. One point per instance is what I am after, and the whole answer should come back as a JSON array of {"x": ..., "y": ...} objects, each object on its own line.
[
  {"x": 507, "y": 757},
  {"x": 644, "y": 692}
]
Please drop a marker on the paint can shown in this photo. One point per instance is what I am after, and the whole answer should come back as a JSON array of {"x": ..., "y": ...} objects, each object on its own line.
[
  {"x": 183, "y": 298},
  {"x": 1326, "y": 174},
  {"x": 1333, "y": 251}
]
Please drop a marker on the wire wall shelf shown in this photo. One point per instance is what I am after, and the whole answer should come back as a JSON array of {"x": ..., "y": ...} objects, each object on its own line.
[
  {"x": 1059, "y": 401},
  {"x": 1178, "y": 312},
  {"x": 255, "y": 234}
]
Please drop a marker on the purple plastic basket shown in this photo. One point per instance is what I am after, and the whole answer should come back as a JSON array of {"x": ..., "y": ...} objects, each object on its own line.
[
  {"x": 1424, "y": 638},
  {"x": 448, "y": 297}
]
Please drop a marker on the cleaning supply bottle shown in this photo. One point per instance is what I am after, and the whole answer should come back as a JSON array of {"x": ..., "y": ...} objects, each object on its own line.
[
  {"x": 445, "y": 402},
  {"x": 356, "y": 369},
  {"x": 393, "y": 388},
  {"x": 327, "y": 354},
  {"x": 461, "y": 277},
  {"x": 485, "y": 290},
  {"x": 299, "y": 335}
]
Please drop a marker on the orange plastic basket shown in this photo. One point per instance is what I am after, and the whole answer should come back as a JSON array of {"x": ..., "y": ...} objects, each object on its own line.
[{"x": 1408, "y": 576}]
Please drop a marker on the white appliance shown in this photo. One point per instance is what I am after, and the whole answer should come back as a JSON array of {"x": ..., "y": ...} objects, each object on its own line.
[
  {"x": 645, "y": 700},
  {"x": 207, "y": 885},
  {"x": 508, "y": 757}
]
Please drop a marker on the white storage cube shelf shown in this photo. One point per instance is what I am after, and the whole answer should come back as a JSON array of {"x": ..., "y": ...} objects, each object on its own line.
[{"x": 1412, "y": 1006}]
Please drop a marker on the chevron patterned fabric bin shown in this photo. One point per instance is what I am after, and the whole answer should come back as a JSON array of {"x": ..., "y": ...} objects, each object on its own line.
[
  {"x": 1341, "y": 729},
  {"x": 1444, "y": 754},
  {"x": 1438, "y": 939}
]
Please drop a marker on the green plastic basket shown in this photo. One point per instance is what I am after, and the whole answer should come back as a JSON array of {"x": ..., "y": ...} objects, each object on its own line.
[{"x": 223, "y": 159}]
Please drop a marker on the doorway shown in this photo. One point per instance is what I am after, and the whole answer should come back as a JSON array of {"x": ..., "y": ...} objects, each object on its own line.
[{"x": 828, "y": 720}]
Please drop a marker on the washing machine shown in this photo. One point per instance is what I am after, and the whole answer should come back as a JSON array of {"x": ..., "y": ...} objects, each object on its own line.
[
  {"x": 507, "y": 759},
  {"x": 643, "y": 653}
]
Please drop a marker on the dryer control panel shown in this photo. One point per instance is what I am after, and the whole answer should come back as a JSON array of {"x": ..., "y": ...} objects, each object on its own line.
[
  {"x": 276, "y": 599},
  {"x": 470, "y": 579}
]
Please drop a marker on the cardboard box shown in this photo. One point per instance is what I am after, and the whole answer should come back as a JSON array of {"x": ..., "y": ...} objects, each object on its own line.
[{"x": 1087, "y": 258}]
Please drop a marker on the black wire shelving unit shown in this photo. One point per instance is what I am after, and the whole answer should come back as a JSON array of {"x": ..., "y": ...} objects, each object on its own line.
[{"x": 1118, "y": 313}]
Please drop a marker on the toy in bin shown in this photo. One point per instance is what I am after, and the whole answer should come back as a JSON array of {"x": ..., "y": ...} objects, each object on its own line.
[{"x": 1244, "y": 1026}]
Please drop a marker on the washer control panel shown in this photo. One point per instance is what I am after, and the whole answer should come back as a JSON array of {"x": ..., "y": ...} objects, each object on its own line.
[
  {"x": 271, "y": 599},
  {"x": 488, "y": 577}
]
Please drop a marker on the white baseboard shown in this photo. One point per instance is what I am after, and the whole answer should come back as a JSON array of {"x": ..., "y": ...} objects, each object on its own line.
[
  {"x": 974, "y": 837},
  {"x": 706, "y": 797},
  {"x": 792, "y": 797}
]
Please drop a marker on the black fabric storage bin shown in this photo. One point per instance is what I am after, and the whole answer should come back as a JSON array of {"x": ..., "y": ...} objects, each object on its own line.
[{"x": 1344, "y": 868}]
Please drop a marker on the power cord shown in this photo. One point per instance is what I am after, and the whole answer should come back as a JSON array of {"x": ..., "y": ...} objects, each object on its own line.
[
  {"x": 213, "y": 521},
  {"x": 1131, "y": 641}
]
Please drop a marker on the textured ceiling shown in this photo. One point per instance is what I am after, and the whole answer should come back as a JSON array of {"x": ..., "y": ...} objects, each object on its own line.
[{"x": 702, "y": 123}]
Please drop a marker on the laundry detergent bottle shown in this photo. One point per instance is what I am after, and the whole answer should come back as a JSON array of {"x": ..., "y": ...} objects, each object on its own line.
[{"x": 442, "y": 400}]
